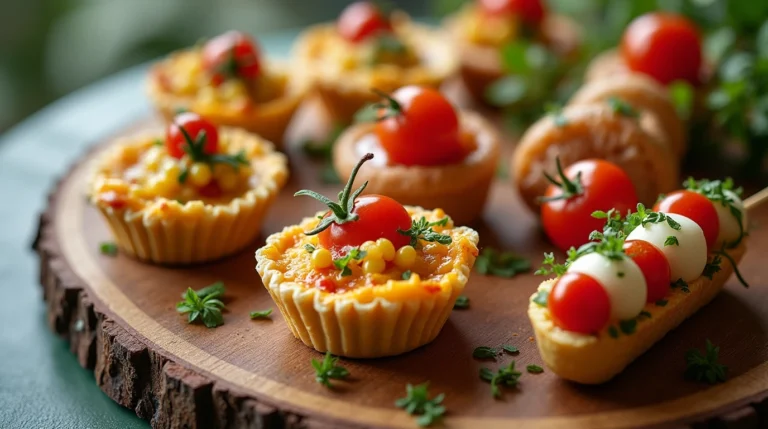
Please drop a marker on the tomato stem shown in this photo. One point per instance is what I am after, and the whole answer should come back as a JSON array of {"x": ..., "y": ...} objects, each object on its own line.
[
  {"x": 571, "y": 188},
  {"x": 341, "y": 212},
  {"x": 391, "y": 107}
]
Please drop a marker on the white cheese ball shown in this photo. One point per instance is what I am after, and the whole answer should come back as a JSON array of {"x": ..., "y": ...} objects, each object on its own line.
[
  {"x": 621, "y": 279},
  {"x": 729, "y": 226},
  {"x": 688, "y": 258}
]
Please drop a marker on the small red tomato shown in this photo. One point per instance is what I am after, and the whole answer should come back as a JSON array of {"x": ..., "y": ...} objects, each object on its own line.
[
  {"x": 113, "y": 199},
  {"x": 696, "y": 207},
  {"x": 193, "y": 124},
  {"x": 566, "y": 211},
  {"x": 654, "y": 266},
  {"x": 579, "y": 303},
  {"x": 211, "y": 190},
  {"x": 360, "y": 20},
  {"x": 419, "y": 127},
  {"x": 378, "y": 217},
  {"x": 664, "y": 46},
  {"x": 529, "y": 11},
  {"x": 325, "y": 284},
  {"x": 232, "y": 54}
]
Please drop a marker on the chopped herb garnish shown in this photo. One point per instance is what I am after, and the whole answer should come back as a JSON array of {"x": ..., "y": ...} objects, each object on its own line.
[
  {"x": 720, "y": 192},
  {"x": 613, "y": 332},
  {"x": 342, "y": 264},
  {"x": 462, "y": 302},
  {"x": 704, "y": 367},
  {"x": 484, "y": 352},
  {"x": 327, "y": 370},
  {"x": 108, "y": 248},
  {"x": 534, "y": 369},
  {"x": 309, "y": 248},
  {"x": 735, "y": 267},
  {"x": 406, "y": 275},
  {"x": 261, "y": 314},
  {"x": 322, "y": 148},
  {"x": 712, "y": 267},
  {"x": 417, "y": 402},
  {"x": 644, "y": 315},
  {"x": 622, "y": 107},
  {"x": 628, "y": 327},
  {"x": 203, "y": 305},
  {"x": 158, "y": 142},
  {"x": 671, "y": 241},
  {"x": 554, "y": 267},
  {"x": 501, "y": 264},
  {"x": 510, "y": 349},
  {"x": 506, "y": 376},
  {"x": 196, "y": 151},
  {"x": 662, "y": 303},
  {"x": 682, "y": 284},
  {"x": 421, "y": 230},
  {"x": 541, "y": 297}
]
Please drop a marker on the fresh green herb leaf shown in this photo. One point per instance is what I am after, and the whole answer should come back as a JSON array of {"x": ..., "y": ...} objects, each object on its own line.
[
  {"x": 556, "y": 112},
  {"x": 406, "y": 275},
  {"x": 510, "y": 349},
  {"x": 541, "y": 297},
  {"x": 484, "y": 352},
  {"x": 158, "y": 142},
  {"x": 328, "y": 369},
  {"x": 622, "y": 107},
  {"x": 342, "y": 264},
  {"x": 203, "y": 305},
  {"x": 108, "y": 248},
  {"x": 704, "y": 367},
  {"x": 628, "y": 327},
  {"x": 712, "y": 267},
  {"x": 671, "y": 241},
  {"x": 662, "y": 303},
  {"x": 681, "y": 94},
  {"x": 417, "y": 402},
  {"x": 613, "y": 332},
  {"x": 534, "y": 369},
  {"x": 501, "y": 264},
  {"x": 261, "y": 314},
  {"x": 462, "y": 302},
  {"x": 505, "y": 376},
  {"x": 682, "y": 284},
  {"x": 421, "y": 230},
  {"x": 195, "y": 148},
  {"x": 310, "y": 248}
]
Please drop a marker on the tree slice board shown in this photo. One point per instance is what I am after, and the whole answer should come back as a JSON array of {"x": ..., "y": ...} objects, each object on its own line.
[{"x": 119, "y": 316}]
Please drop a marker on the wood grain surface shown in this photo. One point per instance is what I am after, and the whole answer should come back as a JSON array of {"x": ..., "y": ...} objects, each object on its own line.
[{"x": 119, "y": 316}]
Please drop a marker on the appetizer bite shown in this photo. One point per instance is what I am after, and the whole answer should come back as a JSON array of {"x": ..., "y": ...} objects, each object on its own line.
[
  {"x": 197, "y": 194},
  {"x": 427, "y": 153},
  {"x": 368, "y": 277},
  {"x": 227, "y": 80},
  {"x": 367, "y": 48},
  {"x": 482, "y": 28},
  {"x": 661, "y": 45},
  {"x": 641, "y": 277},
  {"x": 612, "y": 130}
]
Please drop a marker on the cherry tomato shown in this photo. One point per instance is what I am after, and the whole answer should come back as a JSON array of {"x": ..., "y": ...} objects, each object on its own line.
[
  {"x": 193, "y": 124},
  {"x": 378, "y": 217},
  {"x": 654, "y": 266},
  {"x": 566, "y": 212},
  {"x": 232, "y": 54},
  {"x": 696, "y": 207},
  {"x": 664, "y": 46},
  {"x": 325, "y": 284},
  {"x": 422, "y": 128},
  {"x": 578, "y": 303},
  {"x": 529, "y": 11},
  {"x": 360, "y": 20},
  {"x": 211, "y": 190}
]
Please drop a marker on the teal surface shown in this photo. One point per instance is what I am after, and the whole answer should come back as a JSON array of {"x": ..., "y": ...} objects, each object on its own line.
[{"x": 41, "y": 383}]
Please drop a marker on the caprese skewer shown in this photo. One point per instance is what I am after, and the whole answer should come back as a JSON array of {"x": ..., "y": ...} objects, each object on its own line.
[{"x": 638, "y": 278}]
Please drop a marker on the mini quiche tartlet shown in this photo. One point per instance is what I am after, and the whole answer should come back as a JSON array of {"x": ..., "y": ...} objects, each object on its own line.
[
  {"x": 483, "y": 28},
  {"x": 639, "y": 278},
  {"x": 427, "y": 153},
  {"x": 197, "y": 195},
  {"x": 366, "y": 49},
  {"x": 369, "y": 277},
  {"x": 228, "y": 82}
]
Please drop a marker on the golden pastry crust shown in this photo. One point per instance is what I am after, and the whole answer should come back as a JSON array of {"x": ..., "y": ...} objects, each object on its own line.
[
  {"x": 164, "y": 230},
  {"x": 338, "y": 74},
  {"x": 267, "y": 112},
  {"x": 460, "y": 189},
  {"x": 605, "y": 65},
  {"x": 593, "y": 131},
  {"x": 371, "y": 320},
  {"x": 643, "y": 93},
  {"x": 595, "y": 359},
  {"x": 480, "y": 63}
]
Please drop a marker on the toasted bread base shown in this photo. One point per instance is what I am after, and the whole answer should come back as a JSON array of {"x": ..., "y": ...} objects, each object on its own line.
[{"x": 595, "y": 359}]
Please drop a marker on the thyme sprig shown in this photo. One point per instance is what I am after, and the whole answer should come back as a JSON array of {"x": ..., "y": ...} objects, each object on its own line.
[
  {"x": 195, "y": 148},
  {"x": 417, "y": 402},
  {"x": 203, "y": 305},
  {"x": 505, "y": 376},
  {"x": 421, "y": 230},
  {"x": 328, "y": 369}
]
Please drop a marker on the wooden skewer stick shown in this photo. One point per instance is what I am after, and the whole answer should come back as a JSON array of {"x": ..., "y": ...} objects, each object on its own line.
[{"x": 756, "y": 199}]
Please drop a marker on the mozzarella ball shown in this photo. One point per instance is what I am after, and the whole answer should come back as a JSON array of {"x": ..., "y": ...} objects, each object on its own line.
[
  {"x": 686, "y": 259},
  {"x": 621, "y": 279},
  {"x": 729, "y": 225}
]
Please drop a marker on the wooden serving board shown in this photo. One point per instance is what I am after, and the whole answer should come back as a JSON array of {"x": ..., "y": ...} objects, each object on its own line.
[{"x": 119, "y": 316}]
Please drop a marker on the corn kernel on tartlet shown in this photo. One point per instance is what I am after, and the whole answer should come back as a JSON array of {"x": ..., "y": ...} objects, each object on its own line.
[
  {"x": 154, "y": 217},
  {"x": 376, "y": 310}
]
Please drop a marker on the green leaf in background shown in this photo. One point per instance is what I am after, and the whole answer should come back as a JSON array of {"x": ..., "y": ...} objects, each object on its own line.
[
  {"x": 505, "y": 91},
  {"x": 514, "y": 57},
  {"x": 681, "y": 93},
  {"x": 717, "y": 44},
  {"x": 761, "y": 41}
]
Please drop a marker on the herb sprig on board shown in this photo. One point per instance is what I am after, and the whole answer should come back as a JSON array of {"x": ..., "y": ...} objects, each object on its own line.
[
  {"x": 203, "y": 305},
  {"x": 417, "y": 402},
  {"x": 704, "y": 367},
  {"x": 501, "y": 264},
  {"x": 328, "y": 369}
]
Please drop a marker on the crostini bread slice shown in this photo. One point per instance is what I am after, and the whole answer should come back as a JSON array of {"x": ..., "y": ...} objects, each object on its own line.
[
  {"x": 593, "y": 131},
  {"x": 644, "y": 94},
  {"x": 595, "y": 359}
]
